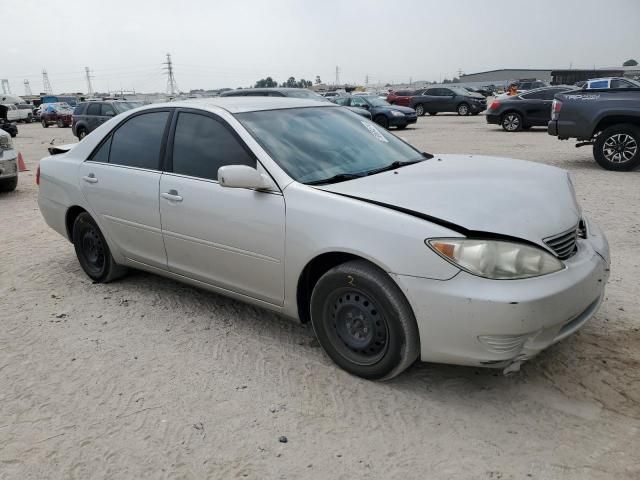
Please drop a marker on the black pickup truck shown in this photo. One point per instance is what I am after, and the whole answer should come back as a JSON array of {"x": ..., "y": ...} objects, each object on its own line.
[{"x": 607, "y": 119}]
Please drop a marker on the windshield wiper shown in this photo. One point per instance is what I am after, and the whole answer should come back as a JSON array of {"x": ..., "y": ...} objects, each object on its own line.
[
  {"x": 341, "y": 177},
  {"x": 394, "y": 165}
]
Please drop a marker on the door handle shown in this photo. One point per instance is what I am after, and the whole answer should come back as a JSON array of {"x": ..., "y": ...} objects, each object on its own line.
[
  {"x": 172, "y": 196},
  {"x": 91, "y": 178}
]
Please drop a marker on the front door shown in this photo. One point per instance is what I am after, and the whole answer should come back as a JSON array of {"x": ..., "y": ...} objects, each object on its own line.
[
  {"x": 121, "y": 184},
  {"x": 230, "y": 238}
]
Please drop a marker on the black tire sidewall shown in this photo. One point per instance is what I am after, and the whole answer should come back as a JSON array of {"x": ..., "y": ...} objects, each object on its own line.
[
  {"x": 8, "y": 184},
  {"x": 598, "y": 153},
  {"x": 375, "y": 291},
  {"x": 504, "y": 117},
  {"x": 382, "y": 121},
  {"x": 82, "y": 223}
]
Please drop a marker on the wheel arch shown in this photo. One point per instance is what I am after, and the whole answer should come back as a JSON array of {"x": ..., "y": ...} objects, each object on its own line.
[
  {"x": 612, "y": 120},
  {"x": 70, "y": 218},
  {"x": 313, "y": 270}
]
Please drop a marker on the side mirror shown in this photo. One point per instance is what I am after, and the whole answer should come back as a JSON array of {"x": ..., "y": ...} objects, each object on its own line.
[{"x": 242, "y": 176}]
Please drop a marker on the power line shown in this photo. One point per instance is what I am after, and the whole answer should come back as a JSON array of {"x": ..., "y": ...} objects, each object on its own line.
[{"x": 172, "y": 85}]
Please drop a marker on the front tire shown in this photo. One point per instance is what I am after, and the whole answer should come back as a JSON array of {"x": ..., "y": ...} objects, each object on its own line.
[
  {"x": 82, "y": 132},
  {"x": 419, "y": 110},
  {"x": 93, "y": 252},
  {"x": 364, "y": 322},
  {"x": 617, "y": 148},
  {"x": 511, "y": 122},
  {"x": 45, "y": 124},
  {"x": 382, "y": 121},
  {"x": 463, "y": 109},
  {"x": 60, "y": 124},
  {"x": 8, "y": 185}
]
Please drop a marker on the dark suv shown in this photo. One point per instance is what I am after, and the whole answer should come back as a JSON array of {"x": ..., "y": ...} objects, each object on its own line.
[
  {"x": 447, "y": 99},
  {"x": 88, "y": 116}
]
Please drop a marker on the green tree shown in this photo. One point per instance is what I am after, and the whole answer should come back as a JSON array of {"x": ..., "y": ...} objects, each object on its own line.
[
  {"x": 630, "y": 63},
  {"x": 266, "y": 83}
]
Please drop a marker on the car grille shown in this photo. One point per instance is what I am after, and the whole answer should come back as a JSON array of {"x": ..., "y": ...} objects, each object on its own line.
[{"x": 564, "y": 244}]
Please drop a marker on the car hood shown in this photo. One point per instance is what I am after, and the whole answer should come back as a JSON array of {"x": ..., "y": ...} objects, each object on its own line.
[{"x": 475, "y": 195}]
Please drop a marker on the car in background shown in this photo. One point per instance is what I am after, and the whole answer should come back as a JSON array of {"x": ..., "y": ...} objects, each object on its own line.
[
  {"x": 87, "y": 116},
  {"x": 482, "y": 91},
  {"x": 68, "y": 99},
  {"x": 8, "y": 163},
  {"x": 383, "y": 113},
  {"x": 435, "y": 100},
  {"x": 400, "y": 97},
  {"x": 299, "y": 207},
  {"x": 16, "y": 114},
  {"x": 610, "y": 82},
  {"x": 288, "y": 92},
  {"x": 26, "y": 110},
  {"x": 59, "y": 114},
  {"x": 5, "y": 124},
  {"x": 331, "y": 95},
  {"x": 526, "y": 85},
  {"x": 526, "y": 110}
]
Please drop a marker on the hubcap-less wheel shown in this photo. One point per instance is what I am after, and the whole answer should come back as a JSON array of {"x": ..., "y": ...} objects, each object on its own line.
[
  {"x": 511, "y": 122},
  {"x": 619, "y": 148},
  {"x": 93, "y": 250},
  {"x": 358, "y": 331},
  {"x": 463, "y": 110}
]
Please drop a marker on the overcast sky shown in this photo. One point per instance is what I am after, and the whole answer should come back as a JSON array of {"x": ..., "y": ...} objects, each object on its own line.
[{"x": 233, "y": 43}]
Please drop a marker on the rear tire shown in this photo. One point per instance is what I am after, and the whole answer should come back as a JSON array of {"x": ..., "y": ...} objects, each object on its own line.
[
  {"x": 419, "y": 110},
  {"x": 401, "y": 127},
  {"x": 463, "y": 109},
  {"x": 93, "y": 252},
  {"x": 617, "y": 148},
  {"x": 382, "y": 121},
  {"x": 364, "y": 322},
  {"x": 433, "y": 114},
  {"x": 45, "y": 124},
  {"x": 511, "y": 122},
  {"x": 8, "y": 185}
]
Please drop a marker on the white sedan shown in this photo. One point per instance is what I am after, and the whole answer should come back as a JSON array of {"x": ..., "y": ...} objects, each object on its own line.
[{"x": 307, "y": 209}]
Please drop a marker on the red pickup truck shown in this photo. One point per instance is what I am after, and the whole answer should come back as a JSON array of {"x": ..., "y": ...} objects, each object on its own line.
[{"x": 401, "y": 97}]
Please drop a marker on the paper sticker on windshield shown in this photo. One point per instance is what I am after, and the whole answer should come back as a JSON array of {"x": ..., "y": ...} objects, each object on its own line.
[{"x": 375, "y": 132}]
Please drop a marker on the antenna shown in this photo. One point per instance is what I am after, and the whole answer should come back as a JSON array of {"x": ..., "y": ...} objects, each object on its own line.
[
  {"x": 88, "y": 76},
  {"x": 172, "y": 85},
  {"x": 6, "y": 89},
  {"x": 27, "y": 88},
  {"x": 46, "y": 85}
]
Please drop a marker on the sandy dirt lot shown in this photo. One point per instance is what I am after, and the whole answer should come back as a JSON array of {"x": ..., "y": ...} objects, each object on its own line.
[{"x": 148, "y": 378}]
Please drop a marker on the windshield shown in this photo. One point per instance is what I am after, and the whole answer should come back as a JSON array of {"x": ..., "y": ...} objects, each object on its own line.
[{"x": 318, "y": 143}]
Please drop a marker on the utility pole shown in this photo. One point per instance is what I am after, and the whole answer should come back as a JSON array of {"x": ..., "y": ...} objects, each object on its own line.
[
  {"x": 88, "y": 76},
  {"x": 337, "y": 75},
  {"x": 46, "y": 85},
  {"x": 366, "y": 80},
  {"x": 172, "y": 86},
  {"x": 27, "y": 88},
  {"x": 6, "y": 89}
]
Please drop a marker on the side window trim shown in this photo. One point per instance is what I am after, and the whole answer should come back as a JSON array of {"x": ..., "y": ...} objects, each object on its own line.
[
  {"x": 168, "y": 154},
  {"x": 163, "y": 144}
]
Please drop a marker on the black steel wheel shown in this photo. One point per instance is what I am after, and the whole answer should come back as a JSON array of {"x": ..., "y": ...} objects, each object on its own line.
[
  {"x": 618, "y": 148},
  {"x": 511, "y": 122},
  {"x": 363, "y": 321},
  {"x": 93, "y": 252}
]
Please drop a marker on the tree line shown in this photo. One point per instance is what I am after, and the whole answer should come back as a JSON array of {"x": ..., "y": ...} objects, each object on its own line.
[{"x": 291, "y": 82}]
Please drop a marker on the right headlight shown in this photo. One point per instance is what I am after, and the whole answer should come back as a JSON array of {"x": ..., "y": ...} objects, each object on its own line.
[
  {"x": 495, "y": 259},
  {"x": 5, "y": 142}
]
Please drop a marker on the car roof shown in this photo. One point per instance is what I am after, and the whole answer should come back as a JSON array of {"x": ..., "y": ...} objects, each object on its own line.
[{"x": 244, "y": 104}]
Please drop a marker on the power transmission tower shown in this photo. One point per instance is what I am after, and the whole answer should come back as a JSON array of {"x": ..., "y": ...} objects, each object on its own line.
[
  {"x": 172, "y": 85},
  {"x": 88, "y": 77},
  {"x": 46, "y": 85},
  {"x": 27, "y": 88},
  {"x": 6, "y": 89},
  {"x": 337, "y": 75}
]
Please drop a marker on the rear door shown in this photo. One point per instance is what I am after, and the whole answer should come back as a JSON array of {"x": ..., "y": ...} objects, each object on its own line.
[
  {"x": 121, "y": 184},
  {"x": 232, "y": 238},
  {"x": 92, "y": 115}
]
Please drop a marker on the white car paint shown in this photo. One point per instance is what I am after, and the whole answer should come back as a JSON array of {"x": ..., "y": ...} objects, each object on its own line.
[{"x": 254, "y": 245}]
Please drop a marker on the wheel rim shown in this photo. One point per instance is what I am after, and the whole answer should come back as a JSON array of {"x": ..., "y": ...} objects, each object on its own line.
[
  {"x": 463, "y": 110},
  {"x": 620, "y": 148},
  {"x": 356, "y": 327},
  {"x": 82, "y": 134},
  {"x": 419, "y": 110},
  {"x": 511, "y": 122},
  {"x": 93, "y": 250}
]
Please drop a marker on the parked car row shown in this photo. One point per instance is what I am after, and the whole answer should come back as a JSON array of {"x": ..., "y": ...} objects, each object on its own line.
[{"x": 435, "y": 100}]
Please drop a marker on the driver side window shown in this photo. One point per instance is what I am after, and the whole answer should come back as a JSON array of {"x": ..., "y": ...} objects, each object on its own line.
[{"x": 358, "y": 102}]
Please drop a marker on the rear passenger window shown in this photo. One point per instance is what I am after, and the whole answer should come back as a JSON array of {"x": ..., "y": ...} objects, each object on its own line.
[
  {"x": 107, "y": 110},
  {"x": 79, "y": 110},
  {"x": 94, "y": 109},
  {"x": 202, "y": 145},
  {"x": 138, "y": 141},
  {"x": 102, "y": 154}
]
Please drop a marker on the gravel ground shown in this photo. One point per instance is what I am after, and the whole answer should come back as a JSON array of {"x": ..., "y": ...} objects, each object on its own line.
[{"x": 148, "y": 378}]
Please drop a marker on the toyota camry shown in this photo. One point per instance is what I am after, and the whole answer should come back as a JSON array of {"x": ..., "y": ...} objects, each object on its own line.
[{"x": 305, "y": 208}]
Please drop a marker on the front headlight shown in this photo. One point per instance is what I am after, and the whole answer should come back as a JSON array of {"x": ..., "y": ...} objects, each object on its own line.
[
  {"x": 397, "y": 113},
  {"x": 495, "y": 259},
  {"x": 5, "y": 142}
]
